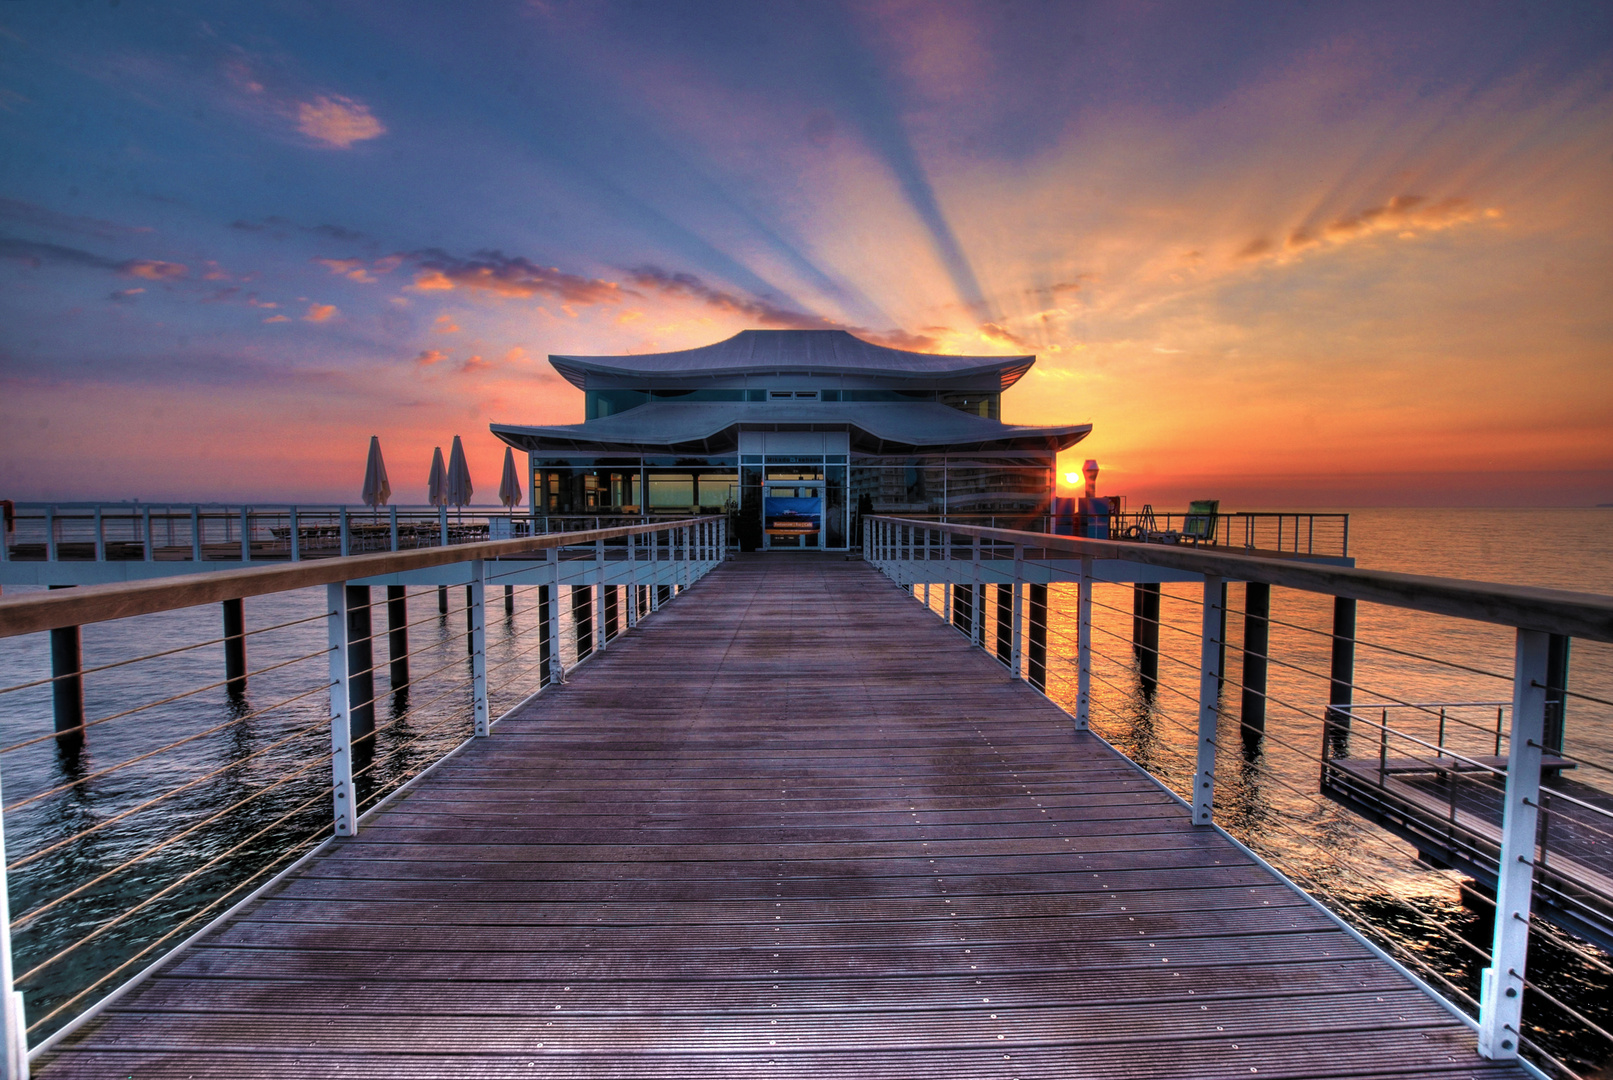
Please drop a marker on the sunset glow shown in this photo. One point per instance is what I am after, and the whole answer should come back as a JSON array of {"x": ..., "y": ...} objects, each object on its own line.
[{"x": 1278, "y": 255}]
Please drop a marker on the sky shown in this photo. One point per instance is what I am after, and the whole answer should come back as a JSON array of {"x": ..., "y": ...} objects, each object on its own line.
[{"x": 1287, "y": 255}]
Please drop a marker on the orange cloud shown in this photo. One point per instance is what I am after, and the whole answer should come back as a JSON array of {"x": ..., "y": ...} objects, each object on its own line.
[
  {"x": 1000, "y": 335},
  {"x": 320, "y": 313},
  {"x": 446, "y": 325},
  {"x": 473, "y": 364},
  {"x": 1404, "y": 215},
  {"x": 430, "y": 356},
  {"x": 337, "y": 121},
  {"x": 155, "y": 269},
  {"x": 277, "y": 318}
]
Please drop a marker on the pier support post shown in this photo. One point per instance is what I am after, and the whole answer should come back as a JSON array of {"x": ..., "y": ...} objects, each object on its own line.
[
  {"x": 1209, "y": 701},
  {"x": 1341, "y": 683},
  {"x": 344, "y": 805},
  {"x": 442, "y": 599},
  {"x": 603, "y": 629},
  {"x": 360, "y": 664},
  {"x": 1037, "y": 662},
  {"x": 476, "y": 627},
  {"x": 1256, "y": 640},
  {"x": 67, "y": 688},
  {"x": 235, "y": 647},
  {"x": 963, "y": 610},
  {"x": 470, "y": 602},
  {"x": 1145, "y": 633},
  {"x": 397, "y": 639},
  {"x": 1005, "y": 623},
  {"x": 1501, "y": 984},
  {"x": 582, "y": 618},
  {"x": 612, "y": 612},
  {"x": 509, "y": 599}
]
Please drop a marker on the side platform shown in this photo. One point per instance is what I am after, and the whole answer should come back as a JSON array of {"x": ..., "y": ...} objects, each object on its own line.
[{"x": 792, "y": 826}]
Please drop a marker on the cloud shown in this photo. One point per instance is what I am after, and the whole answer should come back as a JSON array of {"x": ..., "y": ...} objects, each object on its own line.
[
  {"x": 509, "y": 276},
  {"x": 278, "y": 227},
  {"x": 37, "y": 254},
  {"x": 277, "y": 318},
  {"x": 337, "y": 121},
  {"x": 1003, "y": 336},
  {"x": 123, "y": 296},
  {"x": 44, "y": 217},
  {"x": 1404, "y": 215},
  {"x": 318, "y": 313},
  {"x": 154, "y": 269},
  {"x": 445, "y": 325},
  {"x": 430, "y": 356},
  {"x": 473, "y": 364},
  {"x": 764, "y": 313}
]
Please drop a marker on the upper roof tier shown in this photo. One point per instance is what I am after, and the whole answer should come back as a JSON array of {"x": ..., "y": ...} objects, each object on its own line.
[{"x": 767, "y": 352}]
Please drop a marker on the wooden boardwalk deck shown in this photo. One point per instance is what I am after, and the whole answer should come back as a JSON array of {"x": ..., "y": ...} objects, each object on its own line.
[{"x": 792, "y": 826}]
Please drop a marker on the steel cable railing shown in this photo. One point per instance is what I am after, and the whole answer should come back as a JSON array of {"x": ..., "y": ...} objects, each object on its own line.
[
  {"x": 1031, "y": 632},
  {"x": 139, "y": 880}
]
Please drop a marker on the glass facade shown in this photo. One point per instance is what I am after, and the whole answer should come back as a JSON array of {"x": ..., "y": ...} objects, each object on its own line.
[
  {"x": 1011, "y": 489},
  {"x": 609, "y": 402}
]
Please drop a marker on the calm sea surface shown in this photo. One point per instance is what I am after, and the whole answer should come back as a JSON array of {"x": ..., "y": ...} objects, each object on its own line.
[{"x": 250, "y": 782}]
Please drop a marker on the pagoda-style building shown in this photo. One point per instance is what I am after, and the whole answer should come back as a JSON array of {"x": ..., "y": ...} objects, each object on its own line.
[{"x": 791, "y": 432}]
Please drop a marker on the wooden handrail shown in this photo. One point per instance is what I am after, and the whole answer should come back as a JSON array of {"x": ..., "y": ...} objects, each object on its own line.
[
  {"x": 99, "y": 603},
  {"x": 1551, "y": 611}
]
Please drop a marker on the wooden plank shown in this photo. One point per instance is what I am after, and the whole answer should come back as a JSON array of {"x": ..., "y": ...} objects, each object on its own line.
[{"x": 791, "y": 826}]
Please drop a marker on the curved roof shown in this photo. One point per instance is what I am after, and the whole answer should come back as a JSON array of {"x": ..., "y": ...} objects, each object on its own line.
[
  {"x": 711, "y": 427},
  {"x": 769, "y": 351}
]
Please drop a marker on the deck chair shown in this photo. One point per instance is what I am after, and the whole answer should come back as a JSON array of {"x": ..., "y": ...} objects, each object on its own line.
[{"x": 1199, "y": 526}]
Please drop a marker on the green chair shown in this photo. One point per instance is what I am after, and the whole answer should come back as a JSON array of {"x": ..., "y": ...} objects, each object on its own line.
[{"x": 1199, "y": 526}]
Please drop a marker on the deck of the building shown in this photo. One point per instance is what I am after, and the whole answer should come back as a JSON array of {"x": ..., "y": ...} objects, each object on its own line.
[{"x": 792, "y": 826}]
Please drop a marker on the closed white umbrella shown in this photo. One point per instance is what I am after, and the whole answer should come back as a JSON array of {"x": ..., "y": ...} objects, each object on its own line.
[
  {"x": 377, "y": 488},
  {"x": 459, "y": 486},
  {"x": 437, "y": 484},
  {"x": 509, "y": 488}
]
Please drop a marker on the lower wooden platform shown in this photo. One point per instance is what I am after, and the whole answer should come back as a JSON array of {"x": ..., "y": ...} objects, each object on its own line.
[{"x": 791, "y": 826}]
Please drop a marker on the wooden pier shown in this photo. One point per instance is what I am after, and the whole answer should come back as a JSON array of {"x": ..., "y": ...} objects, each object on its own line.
[{"x": 790, "y": 826}]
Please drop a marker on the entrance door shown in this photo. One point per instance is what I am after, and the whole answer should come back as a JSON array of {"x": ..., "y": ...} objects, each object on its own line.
[{"x": 792, "y": 514}]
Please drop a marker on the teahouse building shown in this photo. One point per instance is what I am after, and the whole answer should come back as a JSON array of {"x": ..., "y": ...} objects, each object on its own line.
[{"x": 790, "y": 432}]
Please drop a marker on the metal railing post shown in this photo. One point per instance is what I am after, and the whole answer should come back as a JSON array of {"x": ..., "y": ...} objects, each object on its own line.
[
  {"x": 344, "y": 810},
  {"x": 13, "y": 1018},
  {"x": 476, "y": 618},
  {"x": 100, "y": 535},
  {"x": 557, "y": 666},
  {"x": 442, "y": 524},
  {"x": 342, "y": 531},
  {"x": 145, "y": 529},
  {"x": 655, "y": 572},
  {"x": 599, "y": 594},
  {"x": 1501, "y": 984},
  {"x": 296, "y": 538},
  {"x": 1017, "y": 649},
  {"x": 394, "y": 510},
  {"x": 633, "y": 581},
  {"x": 196, "y": 534},
  {"x": 977, "y": 610},
  {"x": 1083, "y": 648},
  {"x": 246, "y": 534},
  {"x": 1209, "y": 701}
]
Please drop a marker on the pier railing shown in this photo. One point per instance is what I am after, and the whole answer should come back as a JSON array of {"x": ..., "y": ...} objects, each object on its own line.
[
  {"x": 155, "y": 777},
  {"x": 1325, "y": 714}
]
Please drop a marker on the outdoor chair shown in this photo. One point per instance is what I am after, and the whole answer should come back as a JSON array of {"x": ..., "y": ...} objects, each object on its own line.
[{"x": 1199, "y": 526}]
